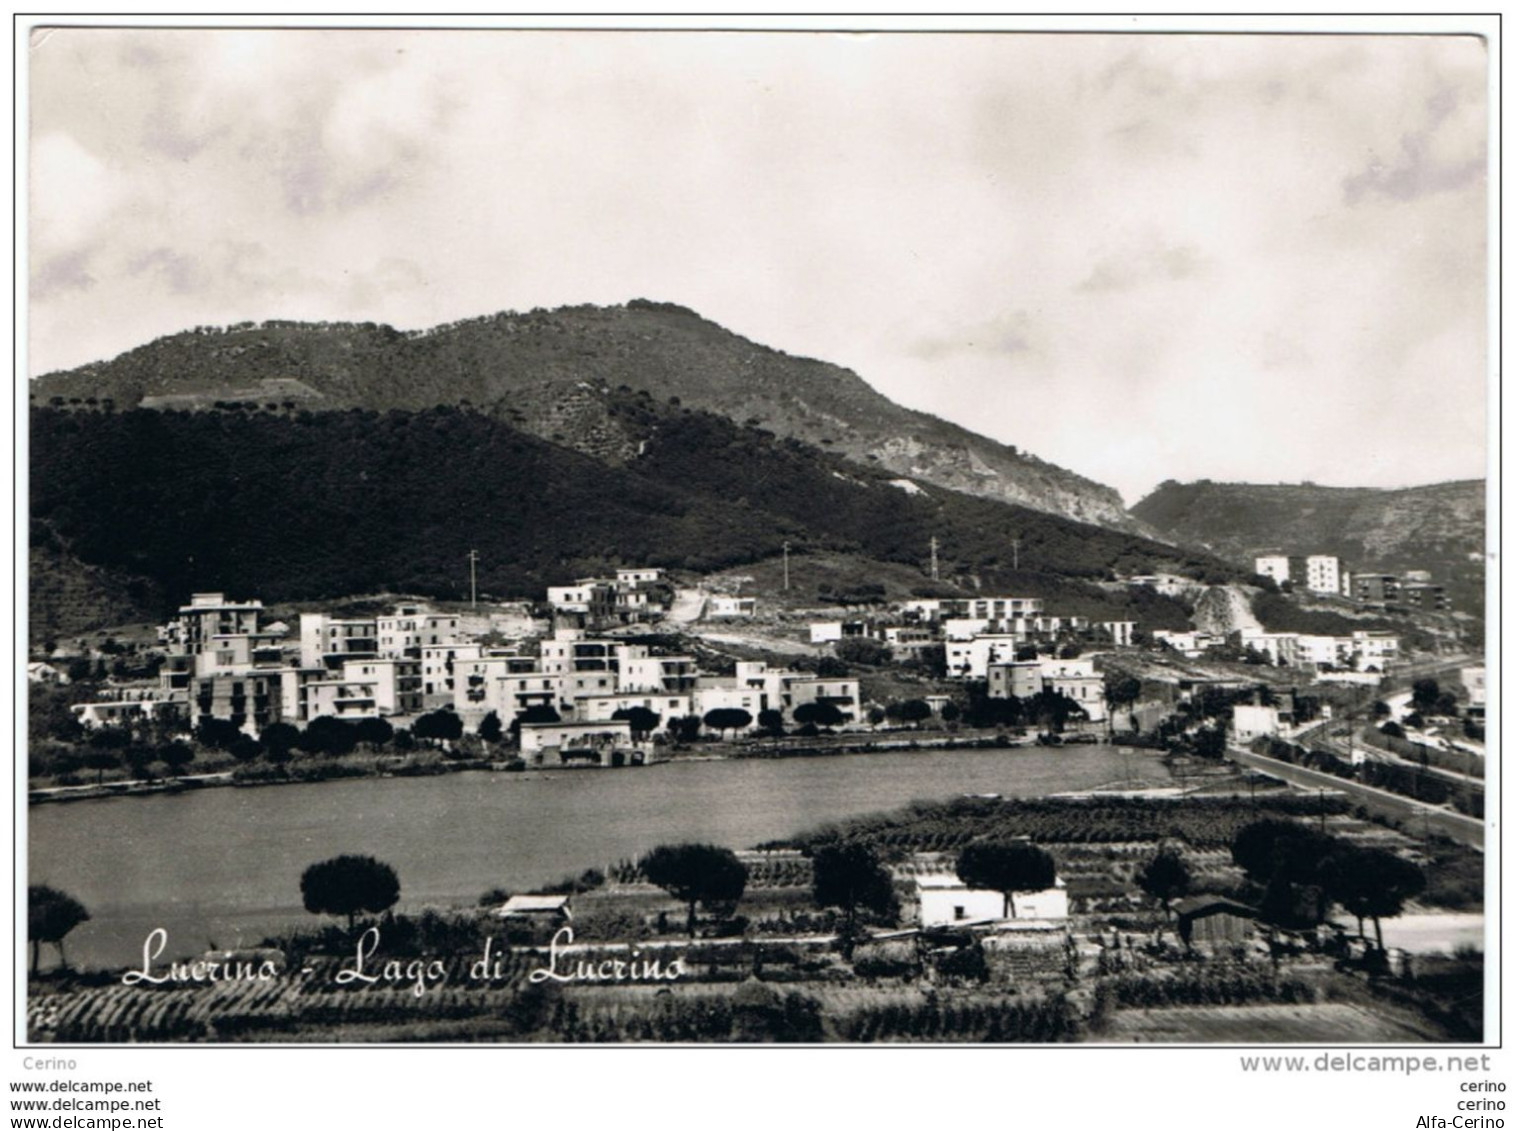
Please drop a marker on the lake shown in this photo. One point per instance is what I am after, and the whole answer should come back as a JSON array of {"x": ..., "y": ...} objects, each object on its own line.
[{"x": 222, "y": 866}]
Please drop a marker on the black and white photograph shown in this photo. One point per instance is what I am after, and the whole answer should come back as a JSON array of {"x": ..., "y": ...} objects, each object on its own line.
[{"x": 667, "y": 536}]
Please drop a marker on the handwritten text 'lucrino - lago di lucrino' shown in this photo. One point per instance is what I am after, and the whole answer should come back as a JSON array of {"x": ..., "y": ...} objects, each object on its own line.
[{"x": 565, "y": 962}]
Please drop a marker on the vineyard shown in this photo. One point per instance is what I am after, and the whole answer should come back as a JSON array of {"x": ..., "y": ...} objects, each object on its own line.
[{"x": 945, "y": 827}]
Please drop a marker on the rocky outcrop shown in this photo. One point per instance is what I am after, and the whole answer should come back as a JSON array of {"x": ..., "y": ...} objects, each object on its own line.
[{"x": 1224, "y": 609}]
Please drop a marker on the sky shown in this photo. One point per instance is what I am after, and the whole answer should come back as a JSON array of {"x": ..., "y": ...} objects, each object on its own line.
[{"x": 1242, "y": 258}]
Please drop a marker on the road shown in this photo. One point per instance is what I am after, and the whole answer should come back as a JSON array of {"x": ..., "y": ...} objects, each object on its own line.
[
  {"x": 688, "y": 607},
  {"x": 1418, "y": 818}
]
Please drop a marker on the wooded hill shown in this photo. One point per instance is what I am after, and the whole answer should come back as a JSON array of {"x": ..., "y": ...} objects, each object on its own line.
[
  {"x": 288, "y": 506},
  {"x": 533, "y": 368},
  {"x": 1440, "y": 527}
]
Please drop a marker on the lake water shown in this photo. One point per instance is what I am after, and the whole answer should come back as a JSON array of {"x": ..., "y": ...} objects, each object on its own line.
[{"x": 223, "y": 865}]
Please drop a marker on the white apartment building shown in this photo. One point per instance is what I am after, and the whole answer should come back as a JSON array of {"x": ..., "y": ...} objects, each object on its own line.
[
  {"x": 439, "y": 667},
  {"x": 970, "y": 659},
  {"x": 602, "y": 708},
  {"x": 641, "y": 575},
  {"x": 412, "y": 627},
  {"x": 640, "y": 671},
  {"x": 1323, "y": 573},
  {"x": 367, "y": 688},
  {"x": 330, "y": 641}
]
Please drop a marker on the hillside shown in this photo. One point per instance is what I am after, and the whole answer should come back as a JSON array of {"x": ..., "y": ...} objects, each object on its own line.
[
  {"x": 533, "y": 369},
  {"x": 69, "y": 597},
  {"x": 1438, "y": 528},
  {"x": 299, "y": 506}
]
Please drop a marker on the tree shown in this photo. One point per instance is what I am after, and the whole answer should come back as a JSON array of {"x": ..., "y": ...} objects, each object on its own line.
[
  {"x": 348, "y": 885},
  {"x": 176, "y": 756},
  {"x": 850, "y": 875},
  {"x": 280, "y": 736},
  {"x": 443, "y": 724},
  {"x": 772, "y": 721},
  {"x": 491, "y": 730},
  {"x": 951, "y": 712},
  {"x": 1053, "y": 709},
  {"x": 374, "y": 732},
  {"x": 245, "y": 749},
  {"x": 696, "y": 874},
  {"x": 727, "y": 718},
  {"x": 100, "y": 761},
  {"x": 1209, "y": 742},
  {"x": 819, "y": 713},
  {"x": 643, "y": 721},
  {"x": 50, "y": 915},
  {"x": 326, "y": 734},
  {"x": 1006, "y": 867},
  {"x": 915, "y": 711},
  {"x": 1265, "y": 848},
  {"x": 863, "y": 650},
  {"x": 1285, "y": 857},
  {"x": 1371, "y": 883},
  {"x": 1165, "y": 878},
  {"x": 218, "y": 734},
  {"x": 1424, "y": 693},
  {"x": 1121, "y": 689}
]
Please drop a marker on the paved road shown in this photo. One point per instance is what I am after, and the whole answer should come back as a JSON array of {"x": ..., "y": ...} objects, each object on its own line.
[{"x": 1417, "y": 817}]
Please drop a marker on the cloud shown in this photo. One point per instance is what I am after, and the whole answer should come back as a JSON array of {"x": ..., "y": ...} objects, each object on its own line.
[
  {"x": 1443, "y": 156},
  {"x": 67, "y": 272},
  {"x": 1152, "y": 264},
  {"x": 1006, "y": 336}
]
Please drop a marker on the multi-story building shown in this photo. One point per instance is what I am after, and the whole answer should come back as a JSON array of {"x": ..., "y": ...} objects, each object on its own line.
[
  {"x": 970, "y": 659},
  {"x": 250, "y": 700},
  {"x": 477, "y": 684},
  {"x": 329, "y": 642},
  {"x": 207, "y": 617},
  {"x": 638, "y": 576},
  {"x": 639, "y": 670},
  {"x": 569, "y": 650},
  {"x": 410, "y": 628},
  {"x": 602, "y": 708},
  {"x": 1323, "y": 573},
  {"x": 439, "y": 668},
  {"x": 1018, "y": 679},
  {"x": 1120, "y": 632},
  {"x": 1375, "y": 588},
  {"x": 1375, "y": 650},
  {"x": 1001, "y": 608},
  {"x": 1424, "y": 595},
  {"x": 843, "y": 694},
  {"x": 592, "y": 598}
]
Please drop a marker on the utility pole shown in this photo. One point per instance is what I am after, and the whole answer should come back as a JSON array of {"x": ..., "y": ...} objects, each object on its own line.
[
  {"x": 786, "y": 565},
  {"x": 935, "y": 574},
  {"x": 1015, "y": 552},
  {"x": 473, "y": 577}
]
